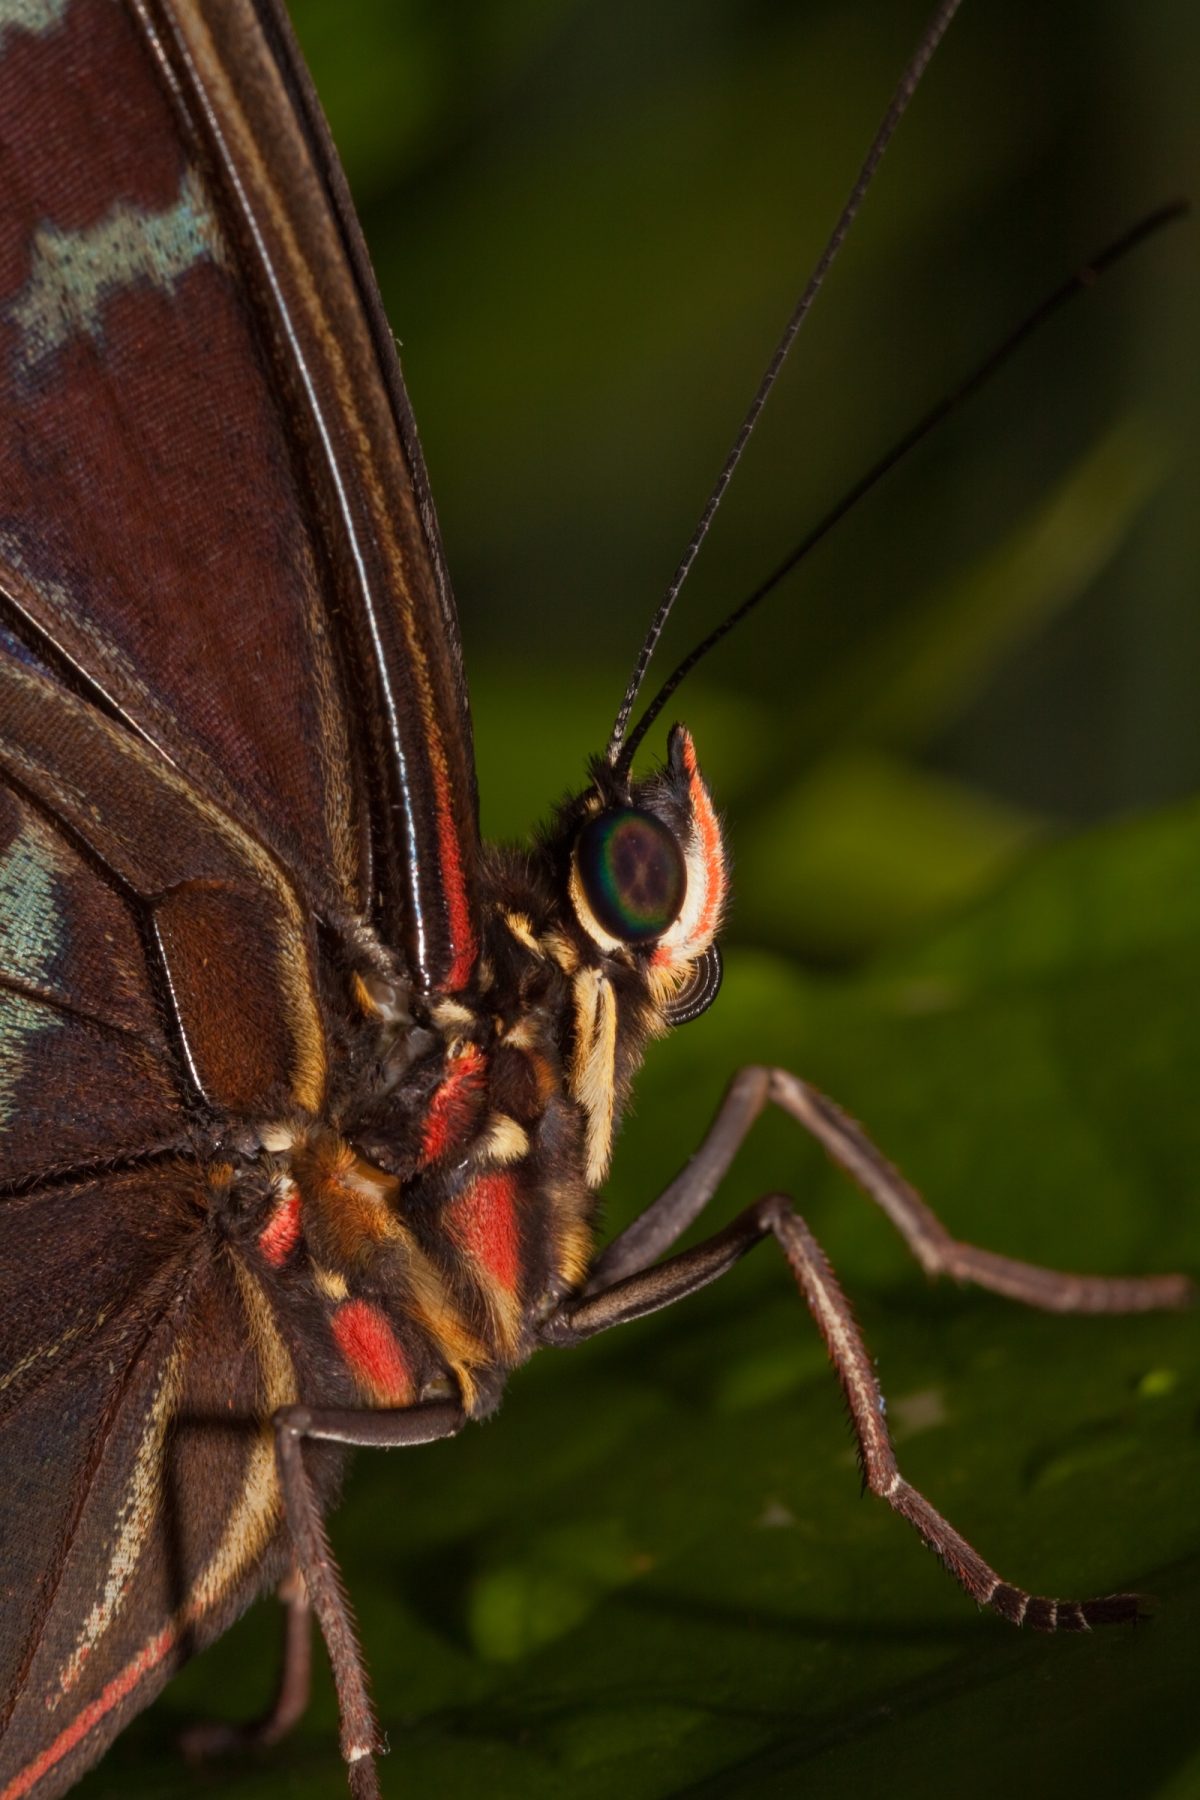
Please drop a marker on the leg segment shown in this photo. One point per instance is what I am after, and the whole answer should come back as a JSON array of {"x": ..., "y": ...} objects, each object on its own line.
[
  {"x": 360, "y": 1739},
  {"x": 848, "y": 1146},
  {"x": 649, "y": 1290},
  {"x": 211, "y": 1738}
]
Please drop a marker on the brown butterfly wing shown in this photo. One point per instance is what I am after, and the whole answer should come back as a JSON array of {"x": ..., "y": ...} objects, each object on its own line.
[
  {"x": 212, "y": 508},
  {"x": 155, "y": 955},
  {"x": 77, "y": 1014},
  {"x": 139, "y": 1510},
  {"x": 231, "y": 715}
]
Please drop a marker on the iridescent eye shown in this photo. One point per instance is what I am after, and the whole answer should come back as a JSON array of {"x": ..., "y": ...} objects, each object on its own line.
[{"x": 633, "y": 873}]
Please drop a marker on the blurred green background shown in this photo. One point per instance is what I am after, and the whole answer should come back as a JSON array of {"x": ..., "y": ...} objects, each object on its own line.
[{"x": 955, "y": 758}]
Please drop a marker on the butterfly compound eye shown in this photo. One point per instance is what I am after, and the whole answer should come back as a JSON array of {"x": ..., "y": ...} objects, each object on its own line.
[{"x": 633, "y": 873}]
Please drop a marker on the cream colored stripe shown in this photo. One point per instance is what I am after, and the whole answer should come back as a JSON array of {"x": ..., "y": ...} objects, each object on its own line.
[
  {"x": 504, "y": 1141},
  {"x": 593, "y": 1068},
  {"x": 521, "y": 928},
  {"x": 134, "y": 1521},
  {"x": 254, "y": 1516},
  {"x": 47, "y": 1352},
  {"x": 583, "y": 992},
  {"x": 259, "y": 1505}
]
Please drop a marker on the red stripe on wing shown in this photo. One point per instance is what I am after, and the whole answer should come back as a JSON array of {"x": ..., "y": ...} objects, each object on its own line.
[
  {"x": 458, "y": 900},
  {"x": 118, "y": 1689}
]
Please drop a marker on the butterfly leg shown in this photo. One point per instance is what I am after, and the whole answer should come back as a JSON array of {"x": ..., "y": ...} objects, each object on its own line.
[
  {"x": 848, "y": 1146},
  {"x": 214, "y": 1737},
  {"x": 648, "y": 1290},
  {"x": 410, "y": 1426}
]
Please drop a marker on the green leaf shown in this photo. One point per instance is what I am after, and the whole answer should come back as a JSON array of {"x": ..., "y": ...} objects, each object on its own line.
[{"x": 865, "y": 850}]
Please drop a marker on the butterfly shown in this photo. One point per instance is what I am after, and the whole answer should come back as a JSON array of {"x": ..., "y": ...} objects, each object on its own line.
[{"x": 308, "y": 1094}]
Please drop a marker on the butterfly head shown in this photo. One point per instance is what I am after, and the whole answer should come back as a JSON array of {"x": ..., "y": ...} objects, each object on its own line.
[
  {"x": 638, "y": 872},
  {"x": 646, "y": 879}
]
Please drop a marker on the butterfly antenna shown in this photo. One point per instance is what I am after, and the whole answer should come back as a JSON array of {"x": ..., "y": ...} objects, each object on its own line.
[
  {"x": 932, "y": 36},
  {"x": 1078, "y": 283}
]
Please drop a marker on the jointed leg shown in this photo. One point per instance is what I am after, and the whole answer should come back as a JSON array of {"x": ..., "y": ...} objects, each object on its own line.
[
  {"x": 216, "y": 1738},
  {"x": 383, "y": 1430},
  {"x": 847, "y": 1145},
  {"x": 648, "y": 1290},
  {"x": 295, "y": 1682}
]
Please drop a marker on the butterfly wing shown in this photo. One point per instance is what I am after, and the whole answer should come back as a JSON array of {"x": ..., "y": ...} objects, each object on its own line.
[
  {"x": 232, "y": 714},
  {"x": 212, "y": 506},
  {"x": 139, "y": 1510}
]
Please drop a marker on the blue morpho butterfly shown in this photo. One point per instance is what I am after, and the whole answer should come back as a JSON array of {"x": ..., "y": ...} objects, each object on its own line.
[{"x": 306, "y": 1096}]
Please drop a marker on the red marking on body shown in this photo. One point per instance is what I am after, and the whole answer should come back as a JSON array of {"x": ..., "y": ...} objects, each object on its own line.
[
  {"x": 118, "y": 1689},
  {"x": 365, "y": 1338},
  {"x": 705, "y": 817},
  {"x": 281, "y": 1233},
  {"x": 484, "y": 1220},
  {"x": 455, "y": 1104}
]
